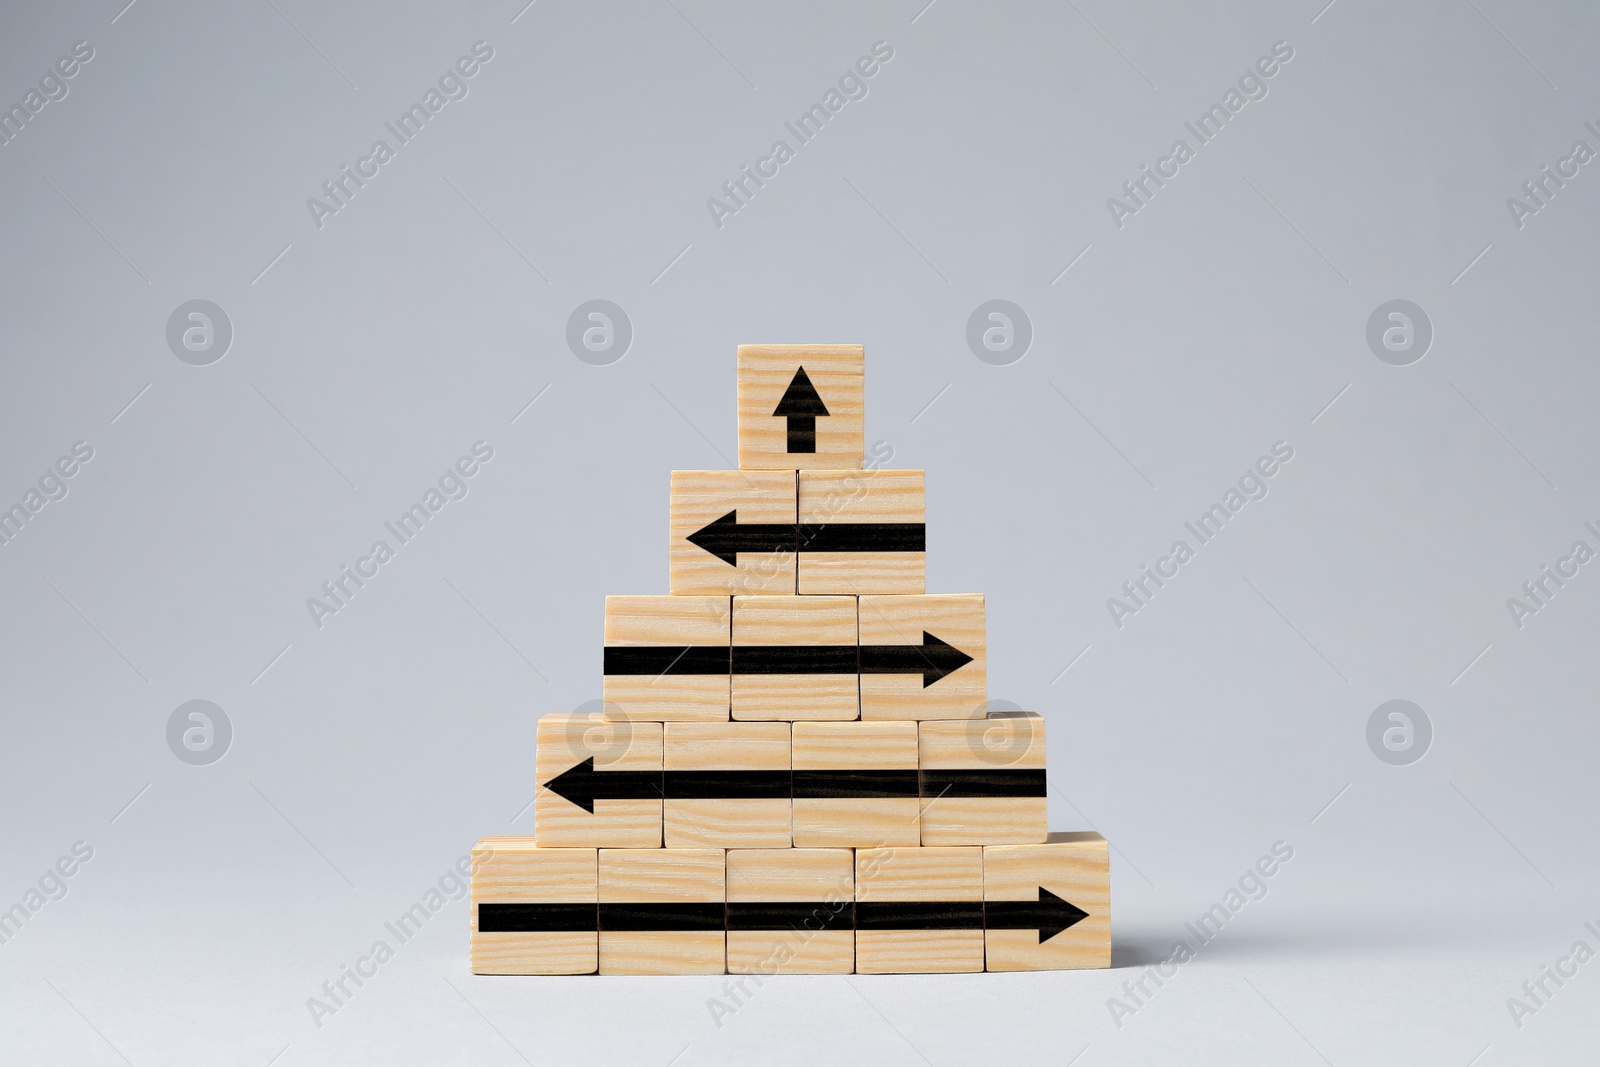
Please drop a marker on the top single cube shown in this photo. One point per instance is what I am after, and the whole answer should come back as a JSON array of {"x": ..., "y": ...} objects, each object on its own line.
[{"x": 800, "y": 407}]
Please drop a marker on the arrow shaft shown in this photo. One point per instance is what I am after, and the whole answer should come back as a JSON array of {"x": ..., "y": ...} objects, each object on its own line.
[
  {"x": 919, "y": 915},
  {"x": 727, "y": 785},
  {"x": 802, "y": 433},
  {"x": 994, "y": 782},
  {"x": 794, "y": 659},
  {"x": 757, "y": 537},
  {"x": 660, "y": 660},
  {"x": 862, "y": 537},
  {"x": 853, "y": 785},
  {"x": 635, "y": 916},
  {"x": 791, "y": 915},
  {"x": 536, "y": 918}
]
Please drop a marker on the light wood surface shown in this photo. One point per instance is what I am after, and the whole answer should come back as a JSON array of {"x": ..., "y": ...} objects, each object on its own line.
[
  {"x": 795, "y": 620},
  {"x": 667, "y": 621},
  {"x": 662, "y": 876},
  {"x": 919, "y": 874},
  {"x": 513, "y": 870},
  {"x": 857, "y": 822},
  {"x": 836, "y": 373},
  {"x": 1075, "y": 867},
  {"x": 831, "y": 496},
  {"x": 698, "y": 498},
  {"x": 564, "y": 740},
  {"x": 821, "y": 876},
  {"x": 1007, "y": 739},
  {"x": 954, "y": 618},
  {"x": 732, "y": 823}
]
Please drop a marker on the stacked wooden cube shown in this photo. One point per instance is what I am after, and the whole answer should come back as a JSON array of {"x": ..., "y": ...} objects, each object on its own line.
[{"x": 795, "y": 770}]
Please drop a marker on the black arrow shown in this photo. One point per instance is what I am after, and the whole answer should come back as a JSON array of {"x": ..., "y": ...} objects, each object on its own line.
[
  {"x": 582, "y": 785},
  {"x": 1049, "y": 915},
  {"x": 933, "y": 659},
  {"x": 726, "y": 537},
  {"x": 801, "y": 405}
]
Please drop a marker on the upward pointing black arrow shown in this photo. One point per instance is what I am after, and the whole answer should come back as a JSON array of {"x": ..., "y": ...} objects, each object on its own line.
[{"x": 801, "y": 405}]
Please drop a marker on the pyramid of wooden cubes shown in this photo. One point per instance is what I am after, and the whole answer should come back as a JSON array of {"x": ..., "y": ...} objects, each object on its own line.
[{"x": 795, "y": 770}]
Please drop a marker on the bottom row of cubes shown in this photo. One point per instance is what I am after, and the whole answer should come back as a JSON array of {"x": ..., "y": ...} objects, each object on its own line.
[{"x": 790, "y": 910}]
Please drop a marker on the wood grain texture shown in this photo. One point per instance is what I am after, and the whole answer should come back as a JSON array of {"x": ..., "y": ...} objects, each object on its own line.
[
  {"x": 662, "y": 876},
  {"x": 1075, "y": 867},
  {"x": 565, "y": 740},
  {"x": 862, "y": 822},
  {"x": 955, "y": 618},
  {"x": 919, "y": 874},
  {"x": 837, "y": 372},
  {"x": 795, "y": 620},
  {"x": 698, "y": 498},
  {"x": 729, "y": 746},
  {"x": 861, "y": 496},
  {"x": 1009, "y": 739},
  {"x": 513, "y": 870},
  {"x": 824, "y": 876},
  {"x": 667, "y": 621}
]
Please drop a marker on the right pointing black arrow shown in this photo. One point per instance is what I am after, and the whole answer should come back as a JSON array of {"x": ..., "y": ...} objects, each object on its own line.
[
  {"x": 1049, "y": 915},
  {"x": 801, "y": 406},
  {"x": 934, "y": 659}
]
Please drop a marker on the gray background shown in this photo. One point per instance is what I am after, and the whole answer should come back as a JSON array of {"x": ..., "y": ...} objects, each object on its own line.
[{"x": 1227, "y": 315}]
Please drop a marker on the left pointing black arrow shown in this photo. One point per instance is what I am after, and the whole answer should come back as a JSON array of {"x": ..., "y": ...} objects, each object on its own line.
[
  {"x": 583, "y": 785},
  {"x": 801, "y": 406},
  {"x": 725, "y": 538}
]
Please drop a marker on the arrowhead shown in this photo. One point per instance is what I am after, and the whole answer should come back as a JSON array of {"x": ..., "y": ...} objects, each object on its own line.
[
  {"x": 942, "y": 658},
  {"x": 800, "y": 398},
  {"x": 1059, "y": 913},
  {"x": 717, "y": 538},
  {"x": 576, "y": 785}
]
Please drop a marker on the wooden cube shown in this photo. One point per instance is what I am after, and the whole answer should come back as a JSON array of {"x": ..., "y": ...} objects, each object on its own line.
[
  {"x": 599, "y": 782},
  {"x": 666, "y": 658},
  {"x": 801, "y": 406},
  {"x": 662, "y": 911},
  {"x": 1048, "y": 906},
  {"x": 919, "y": 910},
  {"x": 983, "y": 780},
  {"x": 923, "y": 657},
  {"x": 533, "y": 909},
  {"x": 855, "y": 784},
  {"x": 727, "y": 785},
  {"x": 861, "y": 531},
  {"x": 794, "y": 657},
  {"x": 732, "y": 532},
  {"x": 790, "y": 911}
]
